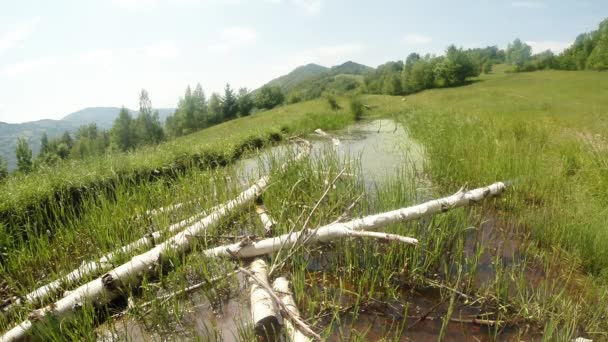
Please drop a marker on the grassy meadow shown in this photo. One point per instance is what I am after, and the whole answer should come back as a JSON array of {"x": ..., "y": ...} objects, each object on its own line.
[{"x": 534, "y": 260}]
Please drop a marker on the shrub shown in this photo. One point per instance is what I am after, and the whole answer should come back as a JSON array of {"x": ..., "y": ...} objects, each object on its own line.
[
  {"x": 356, "y": 108},
  {"x": 333, "y": 103}
]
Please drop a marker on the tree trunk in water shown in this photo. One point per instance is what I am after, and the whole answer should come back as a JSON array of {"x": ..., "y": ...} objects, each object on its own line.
[
  {"x": 281, "y": 287},
  {"x": 264, "y": 312},
  {"x": 341, "y": 229},
  {"x": 103, "y": 264}
]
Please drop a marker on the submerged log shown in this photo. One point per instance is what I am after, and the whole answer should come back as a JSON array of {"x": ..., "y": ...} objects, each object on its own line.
[
  {"x": 264, "y": 311},
  {"x": 281, "y": 287},
  {"x": 113, "y": 284}
]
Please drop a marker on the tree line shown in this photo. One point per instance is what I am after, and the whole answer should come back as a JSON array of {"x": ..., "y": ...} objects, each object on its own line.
[
  {"x": 588, "y": 52},
  {"x": 418, "y": 72},
  {"x": 194, "y": 112}
]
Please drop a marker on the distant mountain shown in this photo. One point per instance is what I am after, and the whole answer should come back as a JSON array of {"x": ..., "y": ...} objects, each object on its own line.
[
  {"x": 350, "y": 68},
  {"x": 298, "y": 75},
  {"x": 103, "y": 117},
  {"x": 311, "y": 73}
]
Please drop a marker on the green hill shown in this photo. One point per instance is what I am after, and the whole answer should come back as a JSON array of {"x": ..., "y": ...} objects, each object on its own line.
[
  {"x": 298, "y": 75},
  {"x": 305, "y": 76}
]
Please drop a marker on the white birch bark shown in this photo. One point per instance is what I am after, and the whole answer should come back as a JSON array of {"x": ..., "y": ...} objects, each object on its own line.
[
  {"x": 281, "y": 287},
  {"x": 110, "y": 286},
  {"x": 324, "y": 134},
  {"x": 103, "y": 264},
  {"x": 338, "y": 230},
  {"x": 264, "y": 311},
  {"x": 266, "y": 219},
  {"x": 383, "y": 236}
]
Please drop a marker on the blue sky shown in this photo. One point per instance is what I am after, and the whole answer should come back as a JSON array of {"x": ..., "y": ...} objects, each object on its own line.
[{"x": 60, "y": 56}]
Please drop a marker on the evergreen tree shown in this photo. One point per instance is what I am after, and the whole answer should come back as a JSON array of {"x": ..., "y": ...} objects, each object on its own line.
[
  {"x": 229, "y": 104},
  {"x": 215, "y": 109},
  {"x": 123, "y": 132},
  {"x": 23, "y": 153}
]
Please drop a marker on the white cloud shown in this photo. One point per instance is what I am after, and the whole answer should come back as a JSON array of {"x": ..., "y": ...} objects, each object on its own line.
[
  {"x": 18, "y": 34},
  {"x": 528, "y": 4},
  {"x": 416, "y": 38},
  {"x": 310, "y": 6},
  {"x": 556, "y": 47},
  {"x": 99, "y": 59},
  {"x": 135, "y": 4},
  {"x": 233, "y": 38}
]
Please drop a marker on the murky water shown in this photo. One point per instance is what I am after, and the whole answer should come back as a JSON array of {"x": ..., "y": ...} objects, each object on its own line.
[{"x": 382, "y": 148}]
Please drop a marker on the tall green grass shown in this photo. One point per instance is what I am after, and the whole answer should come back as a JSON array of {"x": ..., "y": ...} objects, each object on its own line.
[{"x": 28, "y": 203}]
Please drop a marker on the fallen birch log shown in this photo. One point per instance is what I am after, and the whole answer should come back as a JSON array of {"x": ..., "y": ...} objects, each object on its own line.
[
  {"x": 324, "y": 134},
  {"x": 296, "y": 320},
  {"x": 266, "y": 219},
  {"x": 264, "y": 311},
  {"x": 38, "y": 296},
  {"x": 383, "y": 236},
  {"x": 338, "y": 230},
  {"x": 281, "y": 287},
  {"x": 110, "y": 286}
]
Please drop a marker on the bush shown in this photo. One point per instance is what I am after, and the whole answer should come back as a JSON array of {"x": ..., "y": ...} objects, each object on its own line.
[
  {"x": 356, "y": 108},
  {"x": 487, "y": 67},
  {"x": 333, "y": 103}
]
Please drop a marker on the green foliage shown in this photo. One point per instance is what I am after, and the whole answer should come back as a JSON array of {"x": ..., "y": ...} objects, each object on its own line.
[
  {"x": 90, "y": 141},
  {"x": 148, "y": 128},
  {"x": 331, "y": 100},
  {"x": 598, "y": 59},
  {"x": 518, "y": 54},
  {"x": 3, "y": 169},
  {"x": 123, "y": 131},
  {"x": 44, "y": 144},
  {"x": 294, "y": 97},
  {"x": 191, "y": 115},
  {"x": 23, "y": 152},
  {"x": 215, "y": 109},
  {"x": 356, "y": 108},
  {"x": 245, "y": 102},
  {"x": 487, "y": 67},
  {"x": 230, "y": 106},
  {"x": 419, "y": 75},
  {"x": 339, "y": 84},
  {"x": 269, "y": 97}
]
